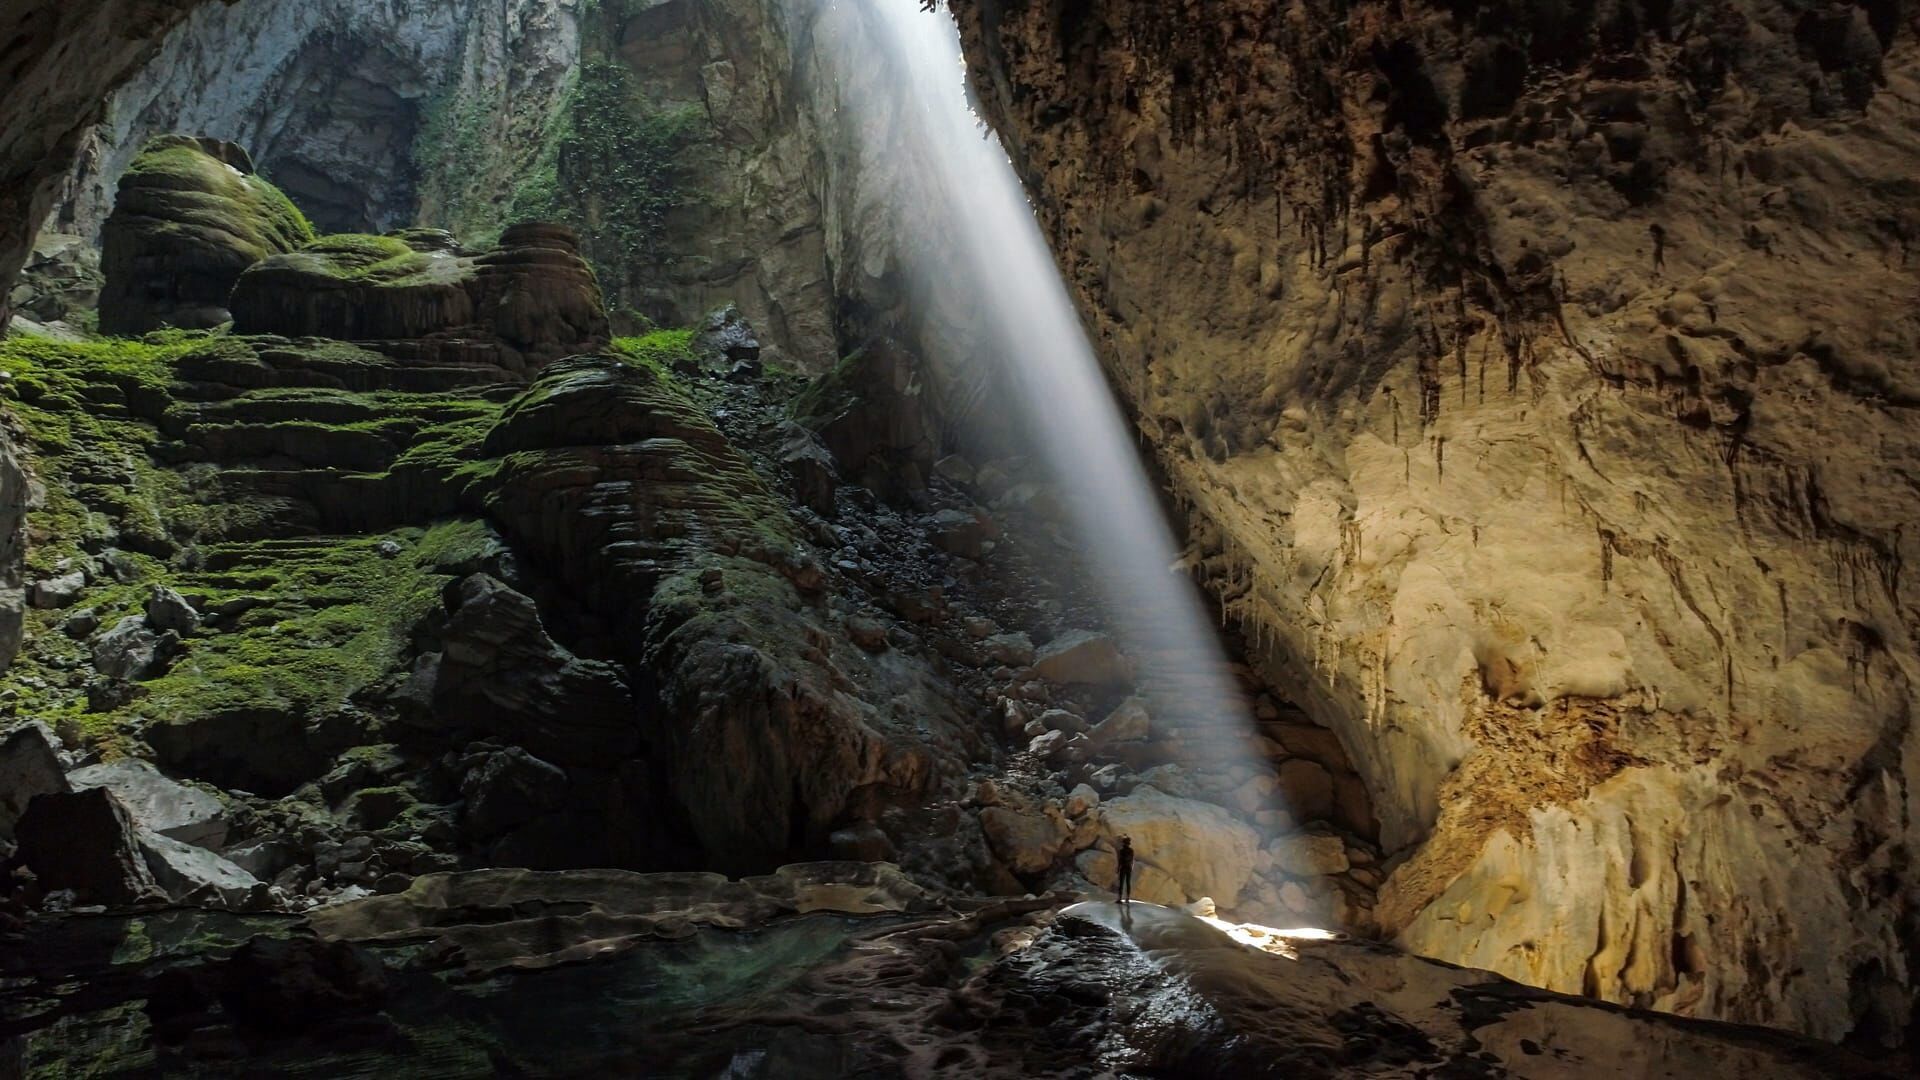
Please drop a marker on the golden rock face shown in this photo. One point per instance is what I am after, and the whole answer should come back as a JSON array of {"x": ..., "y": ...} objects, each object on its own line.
[{"x": 1545, "y": 416}]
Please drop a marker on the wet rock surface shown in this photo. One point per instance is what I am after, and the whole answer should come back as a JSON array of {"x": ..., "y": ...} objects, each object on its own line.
[{"x": 818, "y": 970}]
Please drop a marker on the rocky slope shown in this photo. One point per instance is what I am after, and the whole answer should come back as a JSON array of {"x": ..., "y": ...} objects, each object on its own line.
[
  {"x": 1540, "y": 380},
  {"x": 415, "y": 567},
  {"x": 820, "y": 970}
]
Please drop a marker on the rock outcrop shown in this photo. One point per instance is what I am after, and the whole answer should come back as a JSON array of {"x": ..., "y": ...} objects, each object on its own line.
[
  {"x": 189, "y": 217},
  {"x": 1539, "y": 383},
  {"x": 85, "y": 843},
  {"x": 28, "y": 767},
  {"x": 531, "y": 299},
  {"x": 873, "y": 414},
  {"x": 662, "y": 528}
]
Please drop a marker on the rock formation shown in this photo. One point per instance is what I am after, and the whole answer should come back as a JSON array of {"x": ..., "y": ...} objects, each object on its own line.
[
  {"x": 189, "y": 217},
  {"x": 1539, "y": 383},
  {"x": 529, "y": 300},
  {"x": 339, "y": 101}
]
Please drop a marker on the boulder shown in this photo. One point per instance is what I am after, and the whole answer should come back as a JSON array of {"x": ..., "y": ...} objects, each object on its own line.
[
  {"x": 508, "y": 788},
  {"x": 159, "y": 804},
  {"x": 85, "y": 841},
  {"x": 871, "y": 414},
  {"x": 1128, "y": 722},
  {"x": 194, "y": 875},
  {"x": 189, "y": 218},
  {"x": 168, "y": 610},
  {"x": 1062, "y": 720},
  {"x": 502, "y": 673},
  {"x": 810, "y": 470},
  {"x": 1081, "y": 657},
  {"x": 1200, "y": 847},
  {"x": 58, "y": 591},
  {"x": 377, "y": 807},
  {"x": 1047, "y": 743},
  {"x": 265, "y": 858},
  {"x": 29, "y": 766},
  {"x": 726, "y": 339},
  {"x": 1174, "y": 779},
  {"x": 80, "y": 624},
  {"x": 1081, "y": 799},
  {"x": 529, "y": 301},
  {"x": 132, "y": 650},
  {"x": 969, "y": 535},
  {"x": 1253, "y": 795},
  {"x": 1027, "y": 842},
  {"x": 1014, "y": 649}
]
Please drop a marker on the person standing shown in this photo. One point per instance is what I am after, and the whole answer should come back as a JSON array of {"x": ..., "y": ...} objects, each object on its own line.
[{"x": 1125, "y": 884}]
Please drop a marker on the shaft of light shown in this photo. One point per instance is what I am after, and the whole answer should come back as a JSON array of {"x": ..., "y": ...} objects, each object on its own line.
[{"x": 987, "y": 243}]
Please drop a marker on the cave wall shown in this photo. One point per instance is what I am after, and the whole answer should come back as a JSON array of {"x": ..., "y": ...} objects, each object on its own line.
[
  {"x": 1540, "y": 379},
  {"x": 60, "y": 60},
  {"x": 331, "y": 97},
  {"x": 793, "y": 202}
]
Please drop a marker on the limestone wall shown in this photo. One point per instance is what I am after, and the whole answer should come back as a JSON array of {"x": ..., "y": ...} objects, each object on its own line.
[{"x": 1541, "y": 380}]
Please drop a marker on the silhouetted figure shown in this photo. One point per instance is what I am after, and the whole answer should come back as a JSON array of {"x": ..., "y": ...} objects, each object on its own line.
[
  {"x": 1126, "y": 870},
  {"x": 1659, "y": 235}
]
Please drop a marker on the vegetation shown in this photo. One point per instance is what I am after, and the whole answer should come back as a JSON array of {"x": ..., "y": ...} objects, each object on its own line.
[
  {"x": 659, "y": 351},
  {"x": 619, "y": 160},
  {"x": 379, "y": 260},
  {"x": 242, "y": 207},
  {"x": 88, "y": 410},
  {"x": 305, "y": 622},
  {"x": 452, "y": 154}
]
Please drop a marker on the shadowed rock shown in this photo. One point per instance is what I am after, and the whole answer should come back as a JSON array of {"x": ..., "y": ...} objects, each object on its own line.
[
  {"x": 420, "y": 295},
  {"x": 85, "y": 841},
  {"x": 28, "y": 767},
  {"x": 189, "y": 219}
]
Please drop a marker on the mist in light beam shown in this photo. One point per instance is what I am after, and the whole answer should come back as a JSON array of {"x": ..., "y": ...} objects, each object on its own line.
[{"x": 980, "y": 240}]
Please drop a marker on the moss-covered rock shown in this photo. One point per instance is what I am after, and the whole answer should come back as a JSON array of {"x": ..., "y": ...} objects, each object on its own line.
[
  {"x": 190, "y": 216},
  {"x": 530, "y": 300}
]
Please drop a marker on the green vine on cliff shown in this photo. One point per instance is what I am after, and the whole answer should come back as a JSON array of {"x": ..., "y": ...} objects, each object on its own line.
[{"x": 617, "y": 170}]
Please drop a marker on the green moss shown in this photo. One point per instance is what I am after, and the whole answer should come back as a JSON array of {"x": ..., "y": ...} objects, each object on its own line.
[
  {"x": 658, "y": 351},
  {"x": 87, "y": 408},
  {"x": 373, "y": 260},
  {"x": 331, "y": 615},
  {"x": 334, "y": 616},
  {"x": 210, "y": 195}
]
